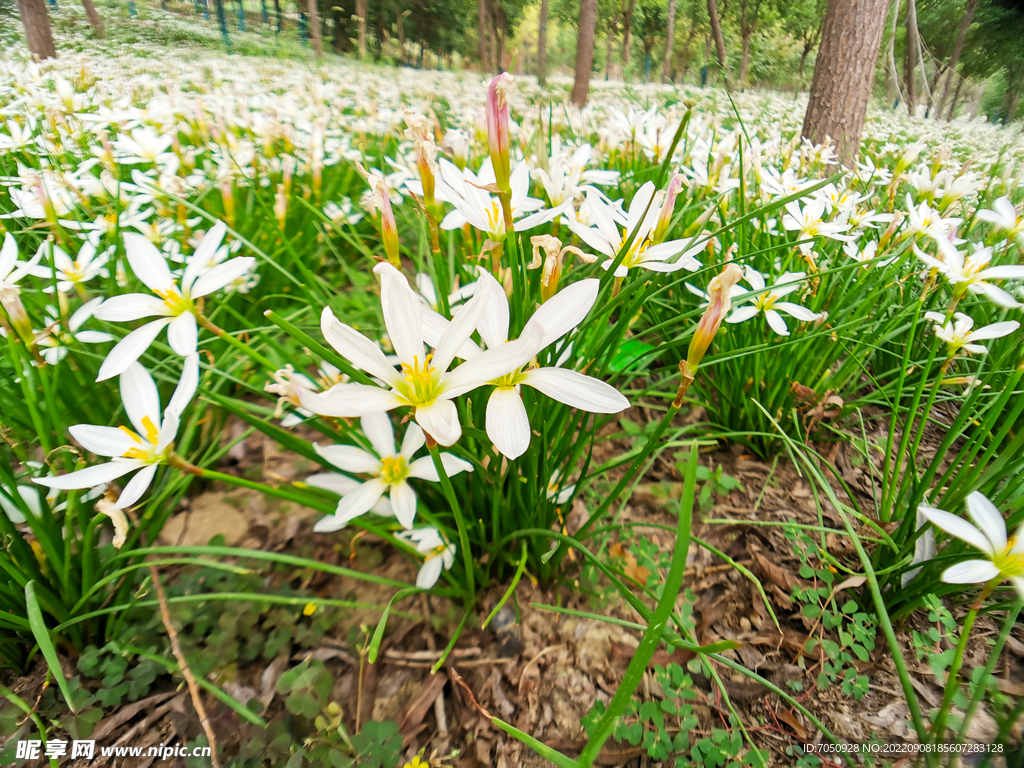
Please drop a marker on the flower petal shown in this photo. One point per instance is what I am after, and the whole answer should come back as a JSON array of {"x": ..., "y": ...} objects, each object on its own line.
[
  {"x": 970, "y": 572},
  {"x": 187, "y": 386},
  {"x": 776, "y": 322},
  {"x": 333, "y": 481},
  {"x": 403, "y": 501},
  {"x": 136, "y": 487},
  {"x": 148, "y": 264},
  {"x": 349, "y": 458},
  {"x": 988, "y": 519},
  {"x": 957, "y": 526},
  {"x": 566, "y": 309},
  {"x": 455, "y": 337},
  {"x": 90, "y": 476},
  {"x": 795, "y": 310},
  {"x": 424, "y": 469},
  {"x": 494, "y": 363},
  {"x": 576, "y": 389},
  {"x": 141, "y": 398},
  {"x": 440, "y": 420},
  {"x": 183, "y": 334},
  {"x": 349, "y": 400},
  {"x": 103, "y": 441},
  {"x": 995, "y": 330},
  {"x": 361, "y": 500},
  {"x": 221, "y": 276},
  {"x": 130, "y": 306},
  {"x": 130, "y": 348},
  {"x": 401, "y": 313},
  {"x": 414, "y": 440},
  {"x": 197, "y": 263},
  {"x": 508, "y": 425},
  {"x": 377, "y": 428},
  {"x": 493, "y": 324},
  {"x": 429, "y": 573},
  {"x": 742, "y": 313},
  {"x": 357, "y": 349}
]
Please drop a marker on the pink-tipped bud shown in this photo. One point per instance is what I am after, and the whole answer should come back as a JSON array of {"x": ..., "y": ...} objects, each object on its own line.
[
  {"x": 668, "y": 208},
  {"x": 498, "y": 110},
  {"x": 388, "y": 227},
  {"x": 719, "y": 303}
]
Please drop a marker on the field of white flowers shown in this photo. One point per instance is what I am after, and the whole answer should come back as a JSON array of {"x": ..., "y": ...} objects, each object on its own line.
[{"x": 482, "y": 319}]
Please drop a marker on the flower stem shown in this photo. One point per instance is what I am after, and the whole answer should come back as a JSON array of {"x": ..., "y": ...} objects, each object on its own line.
[
  {"x": 952, "y": 681},
  {"x": 242, "y": 347},
  {"x": 449, "y": 492}
]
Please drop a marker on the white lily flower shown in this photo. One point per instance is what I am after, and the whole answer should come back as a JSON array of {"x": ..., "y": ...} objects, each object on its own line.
[
  {"x": 10, "y": 508},
  {"x": 767, "y": 301},
  {"x": 425, "y": 383},
  {"x": 71, "y": 273},
  {"x": 808, "y": 223},
  {"x": 439, "y": 554},
  {"x": 507, "y": 422},
  {"x": 174, "y": 305},
  {"x": 55, "y": 342},
  {"x": 972, "y": 272},
  {"x": 1004, "y": 217},
  {"x": 389, "y": 469},
  {"x": 606, "y": 238},
  {"x": 927, "y": 221},
  {"x": 148, "y": 446},
  {"x": 1005, "y": 554},
  {"x": 958, "y": 335}
]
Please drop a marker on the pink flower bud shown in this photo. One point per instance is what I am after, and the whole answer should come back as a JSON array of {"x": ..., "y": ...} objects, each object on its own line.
[
  {"x": 668, "y": 208},
  {"x": 719, "y": 303},
  {"x": 388, "y": 227},
  {"x": 498, "y": 109}
]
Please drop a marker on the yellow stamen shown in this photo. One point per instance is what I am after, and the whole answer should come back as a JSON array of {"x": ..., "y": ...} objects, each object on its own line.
[
  {"x": 421, "y": 380},
  {"x": 394, "y": 469},
  {"x": 152, "y": 433}
]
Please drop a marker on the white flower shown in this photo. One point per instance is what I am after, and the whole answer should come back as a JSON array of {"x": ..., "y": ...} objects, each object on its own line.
[
  {"x": 927, "y": 221},
  {"x": 71, "y": 273},
  {"x": 173, "y": 304},
  {"x": 808, "y": 223},
  {"x": 867, "y": 256},
  {"x": 1004, "y": 216},
  {"x": 606, "y": 237},
  {"x": 973, "y": 272},
  {"x": 438, "y": 554},
  {"x": 55, "y": 341},
  {"x": 425, "y": 383},
  {"x": 145, "y": 448},
  {"x": 10, "y": 508},
  {"x": 1005, "y": 555},
  {"x": 958, "y": 335},
  {"x": 767, "y": 301},
  {"x": 507, "y": 422},
  {"x": 389, "y": 470}
]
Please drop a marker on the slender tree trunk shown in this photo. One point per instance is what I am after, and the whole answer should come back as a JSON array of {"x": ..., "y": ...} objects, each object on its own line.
[
  {"x": 280, "y": 15},
  {"x": 584, "y": 52},
  {"x": 482, "y": 25},
  {"x": 911, "y": 68},
  {"x": 803, "y": 61},
  {"x": 500, "y": 24},
  {"x": 608, "y": 52},
  {"x": 94, "y": 19},
  {"x": 314, "y": 28},
  {"x": 843, "y": 74},
  {"x": 361, "y": 11},
  {"x": 716, "y": 32},
  {"x": 338, "y": 38},
  {"x": 627, "y": 29},
  {"x": 37, "y": 29},
  {"x": 400, "y": 28},
  {"x": 956, "y": 95},
  {"x": 670, "y": 30},
  {"x": 958, "y": 48},
  {"x": 542, "y": 44},
  {"x": 745, "y": 60}
]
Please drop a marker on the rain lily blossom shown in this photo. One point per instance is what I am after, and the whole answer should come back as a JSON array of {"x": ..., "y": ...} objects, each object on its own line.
[
  {"x": 507, "y": 422},
  {"x": 149, "y": 445},
  {"x": 1004, "y": 555},
  {"x": 54, "y": 341},
  {"x": 958, "y": 335},
  {"x": 425, "y": 383},
  {"x": 72, "y": 274},
  {"x": 11, "y": 273},
  {"x": 389, "y": 471},
  {"x": 438, "y": 553},
  {"x": 1004, "y": 216},
  {"x": 473, "y": 204},
  {"x": 808, "y": 223},
  {"x": 607, "y": 238},
  {"x": 174, "y": 305},
  {"x": 971, "y": 272},
  {"x": 766, "y": 300}
]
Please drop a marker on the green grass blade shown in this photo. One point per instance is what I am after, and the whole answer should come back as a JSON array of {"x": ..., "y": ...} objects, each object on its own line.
[{"x": 42, "y": 635}]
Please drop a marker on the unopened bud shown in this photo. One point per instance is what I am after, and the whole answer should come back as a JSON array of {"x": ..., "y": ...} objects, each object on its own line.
[
  {"x": 667, "y": 209},
  {"x": 498, "y": 111}
]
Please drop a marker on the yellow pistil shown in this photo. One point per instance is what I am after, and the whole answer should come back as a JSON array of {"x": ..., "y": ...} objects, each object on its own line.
[
  {"x": 421, "y": 380},
  {"x": 633, "y": 256},
  {"x": 495, "y": 218},
  {"x": 394, "y": 469},
  {"x": 176, "y": 303},
  {"x": 765, "y": 301},
  {"x": 1009, "y": 563},
  {"x": 140, "y": 451}
]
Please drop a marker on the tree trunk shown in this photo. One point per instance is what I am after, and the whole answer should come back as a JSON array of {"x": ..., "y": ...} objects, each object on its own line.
[
  {"x": 482, "y": 25},
  {"x": 958, "y": 48},
  {"x": 94, "y": 19},
  {"x": 745, "y": 60},
  {"x": 956, "y": 95},
  {"x": 542, "y": 44},
  {"x": 37, "y": 29},
  {"x": 361, "y": 11},
  {"x": 500, "y": 24},
  {"x": 627, "y": 29},
  {"x": 608, "y": 52},
  {"x": 843, "y": 74},
  {"x": 803, "y": 61},
  {"x": 314, "y": 28},
  {"x": 584, "y": 52},
  {"x": 400, "y": 28},
  {"x": 670, "y": 30},
  {"x": 280, "y": 16},
  {"x": 910, "y": 75},
  {"x": 716, "y": 32}
]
